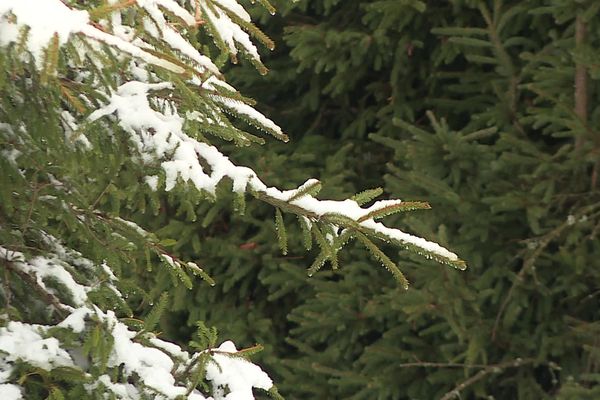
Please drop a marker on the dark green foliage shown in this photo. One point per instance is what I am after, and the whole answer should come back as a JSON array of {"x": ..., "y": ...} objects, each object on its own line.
[{"x": 472, "y": 107}]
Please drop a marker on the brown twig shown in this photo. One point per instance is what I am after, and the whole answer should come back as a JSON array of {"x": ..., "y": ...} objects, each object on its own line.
[
  {"x": 495, "y": 368},
  {"x": 428, "y": 364}
]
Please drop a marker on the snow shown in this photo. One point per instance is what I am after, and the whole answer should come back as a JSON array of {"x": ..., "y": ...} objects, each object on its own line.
[
  {"x": 23, "y": 342},
  {"x": 49, "y": 17},
  {"x": 236, "y": 374},
  {"x": 132, "y": 225},
  {"x": 41, "y": 267},
  {"x": 164, "y": 31},
  {"x": 129, "y": 48},
  {"x": 170, "y": 348},
  {"x": 152, "y": 181},
  {"x": 120, "y": 390},
  {"x": 72, "y": 132},
  {"x": 152, "y": 365},
  {"x": 244, "y": 109},
  {"x": 175, "y": 8},
  {"x": 155, "y": 128},
  {"x": 181, "y": 157},
  {"x": 76, "y": 320},
  {"x": 68, "y": 255},
  {"x": 44, "y": 19},
  {"x": 234, "y": 7},
  {"x": 229, "y": 32},
  {"x": 8, "y": 391}
]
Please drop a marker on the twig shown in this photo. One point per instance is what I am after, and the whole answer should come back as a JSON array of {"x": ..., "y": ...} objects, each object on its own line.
[
  {"x": 530, "y": 261},
  {"x": 496, "y": 368},
  {"x": 102, "y": 193},
  {"x": 428, "y": 364}
]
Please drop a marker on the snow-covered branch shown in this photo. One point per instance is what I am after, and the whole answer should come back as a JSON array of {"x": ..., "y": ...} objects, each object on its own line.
[{"x": 131, "y": 69}]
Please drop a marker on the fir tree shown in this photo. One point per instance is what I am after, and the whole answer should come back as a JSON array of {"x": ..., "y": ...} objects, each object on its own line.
[
  {"x": 488, "y": 110},
  {"x": 110, "y": 112}
]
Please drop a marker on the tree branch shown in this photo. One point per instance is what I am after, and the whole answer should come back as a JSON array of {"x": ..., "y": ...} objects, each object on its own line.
[
  {"x": 48, "y": 297},
  {"x": 495, "y": 368}
]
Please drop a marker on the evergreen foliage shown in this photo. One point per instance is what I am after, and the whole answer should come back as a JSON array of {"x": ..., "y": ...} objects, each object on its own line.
[
  {"x": 486, "y": 110},
  {"x": 109, "y": 118}
]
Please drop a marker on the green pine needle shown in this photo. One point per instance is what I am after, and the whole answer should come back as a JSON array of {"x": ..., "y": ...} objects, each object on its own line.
[
  {"x": 367, "y": 195},
  {"x": 274, "y": 393},
  {"x": 239, "y": 203},
  {"x": 281, "y": 233},
  {"x": 318, "y": 263},
  {"x": 310, "y": 189},
  {"x": 395, "y": 208},
  {"x": 154, "y": 315},
  {"x": 306, "y": 231},
  {"x": 381, "y": 257},
  {"x": 196, "y": 270},
  {"x": 249, "y": 351},
  {"x": 268, "y": 6}
]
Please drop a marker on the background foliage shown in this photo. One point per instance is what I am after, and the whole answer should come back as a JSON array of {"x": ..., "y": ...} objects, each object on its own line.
[{"x": 472, "y": 106}]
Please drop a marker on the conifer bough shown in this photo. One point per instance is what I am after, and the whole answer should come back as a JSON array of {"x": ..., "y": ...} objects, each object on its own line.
[{"x": 125, "y": 88}]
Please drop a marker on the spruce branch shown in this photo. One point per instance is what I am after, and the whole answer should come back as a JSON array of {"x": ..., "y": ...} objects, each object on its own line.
[
  {"x": 394, "y": 208},
  {"x": 367, "y": 195},
  {"x": 381, "y": 257},
  {"x": 281, "y": 232},
  {"x": 48, "y": 297},
  {"x": 490, "y": 369},
  {"x": 529, "y": 260}
]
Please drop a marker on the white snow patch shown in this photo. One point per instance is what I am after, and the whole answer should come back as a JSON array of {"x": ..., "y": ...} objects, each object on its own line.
[
  {"x": 76, "y": 320},
  {"x": 152, "y": 181},
  {"x": 42, "y": 267},
  {"x": 23, "y": 342},
  {"x": 44, "y": 19},
  {"x": 229, "y": 32},
  {"x": 8, "y": 391},
  {"x": 152, "y": 365},
  {"x": 235, "y": 373}
]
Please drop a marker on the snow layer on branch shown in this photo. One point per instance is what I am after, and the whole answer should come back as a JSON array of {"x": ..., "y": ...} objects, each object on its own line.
[
  {"x": 76, "y": 320},
  {"x": 228, "y": 31},
  {"x": 129, "y": 48},
  {"x": 160, "y": 136},
  {"x": 152, "y": 365},
  {"x": 173, "y": 7},
  {"x": 164, "y": 31},
  {"x": 238, "y": 106},
  {"x": 44, "y": 19},
  {"x": 23, "y": 342},
  {"x": 235, "y": 373},
  {"x": 47, "y": 267},
  {"x": 120, "y": 390},
  {"x": 234, "y": 7}
]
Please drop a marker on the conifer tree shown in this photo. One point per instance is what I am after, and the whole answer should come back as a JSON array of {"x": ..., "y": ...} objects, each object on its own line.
[
  {"x": 111, "y": 111},
  {"x": 487, "y": 110}
]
